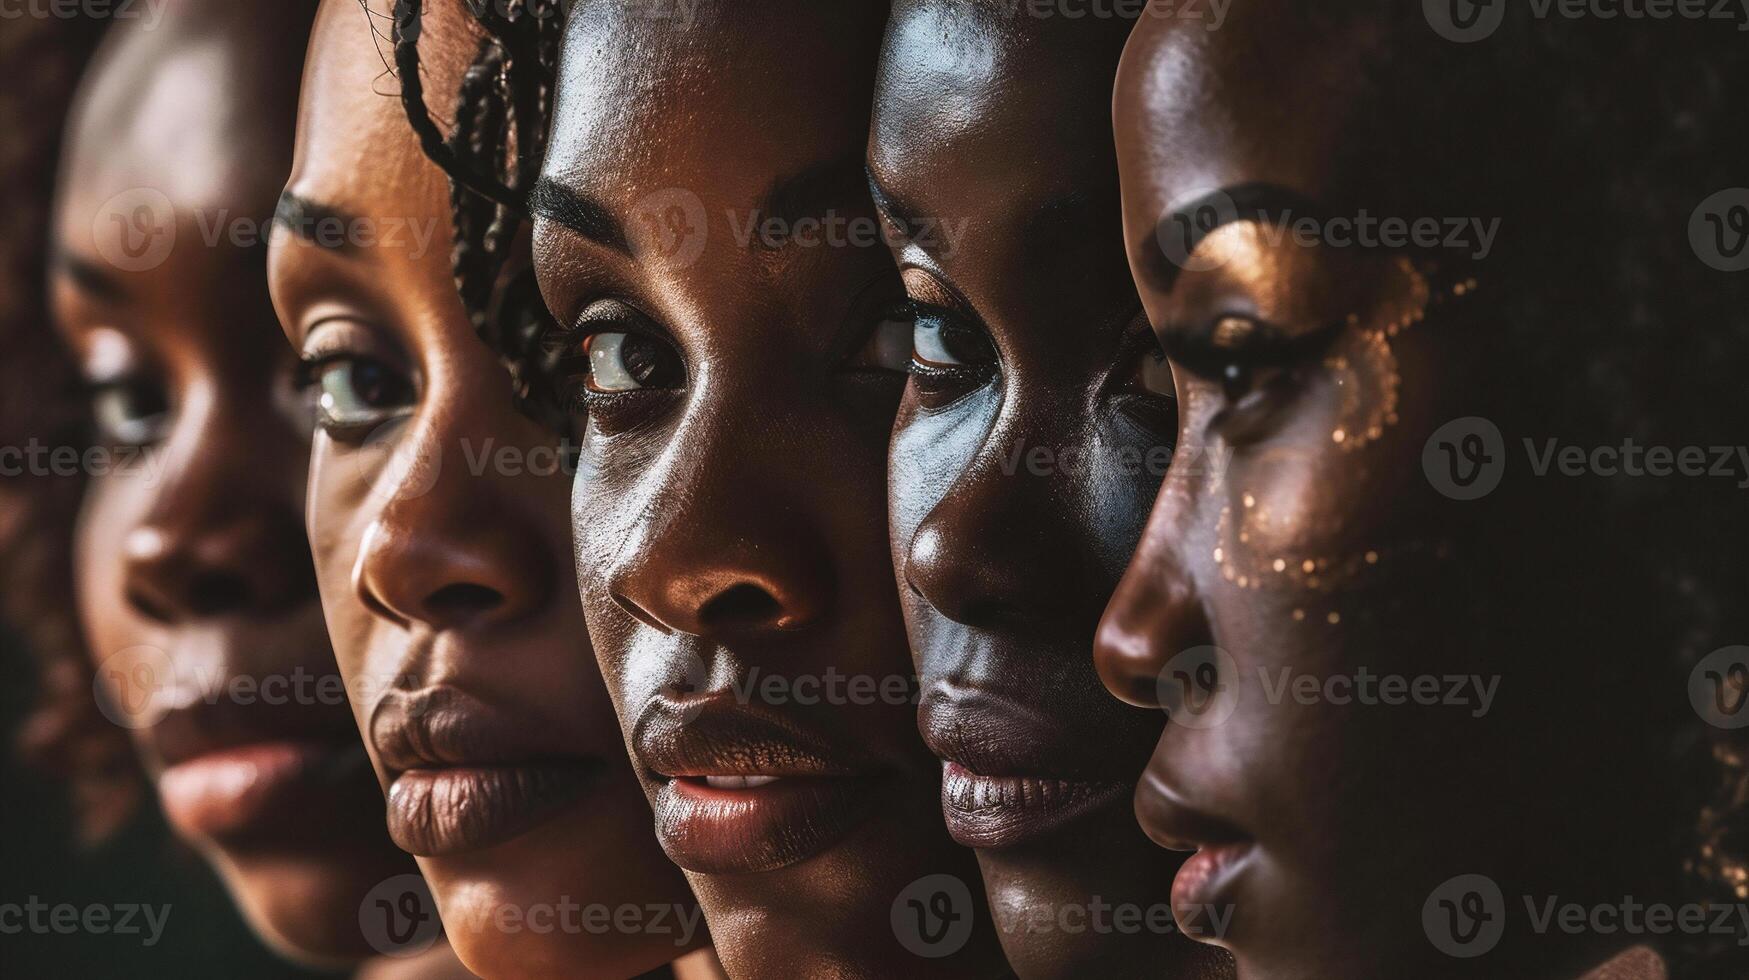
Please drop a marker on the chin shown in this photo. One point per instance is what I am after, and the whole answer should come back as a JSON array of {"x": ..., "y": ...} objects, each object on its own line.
[
  {"x": 542, "y": 904},
  {"x": 305, "y": 909}
]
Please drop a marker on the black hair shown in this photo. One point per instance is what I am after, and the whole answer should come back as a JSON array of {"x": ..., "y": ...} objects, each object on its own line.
[
  {"x": 1598, "y": 141},
  {"x": 493, "y": 156}
]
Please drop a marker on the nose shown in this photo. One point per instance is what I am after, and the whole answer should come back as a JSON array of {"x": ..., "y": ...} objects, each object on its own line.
[
  {"x": 222, "y": 534},
  {"x": 1155, "y": 614},
  {"x": 718, "y": 555},
  {"x": 463, "y": 553},
  {"x": 180, "y": 567},
  {"x": 744, "y": 581},
  {"x": 999, "y": 548}
]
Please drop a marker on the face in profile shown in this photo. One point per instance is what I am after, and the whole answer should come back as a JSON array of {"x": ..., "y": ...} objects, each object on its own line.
[
  {"x": 1318, "y": 562},
  {"x": 195, "y": 586},
  {"x": 438, "y": 517},
  {"x": 735, "y": 346},
  {"x": 1029, "y": 445}
]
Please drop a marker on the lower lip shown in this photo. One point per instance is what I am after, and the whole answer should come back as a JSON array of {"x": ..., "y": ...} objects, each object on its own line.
[
  {"x": 1003, "y": 811},
  {"x": 257, "y": 788},
  {"x": 458, "y": 809},
  {"x": 1207, "y": 882},
  {"x": 712, "y": 830}
]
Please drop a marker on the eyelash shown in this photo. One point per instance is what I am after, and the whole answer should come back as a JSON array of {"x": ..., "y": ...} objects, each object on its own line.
[
  {"x": 567, "y": 346},
  {"x": 938, "y": 382},
  {"x": 1268, "y": 346}
]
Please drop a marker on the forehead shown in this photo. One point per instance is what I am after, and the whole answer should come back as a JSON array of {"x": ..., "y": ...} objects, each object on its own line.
[
  {"x": 719, "y": 102},
  {"x": 1268, "y": 98},
  {"x": 171, "y": 113},
  {"x": 354, "y": 144},
  {"x": 986, "y": 71},
  {"x": 1002, "y": 100}
]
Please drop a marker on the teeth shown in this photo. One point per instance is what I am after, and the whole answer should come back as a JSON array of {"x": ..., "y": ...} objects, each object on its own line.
[{"x": 738, "y": 782}]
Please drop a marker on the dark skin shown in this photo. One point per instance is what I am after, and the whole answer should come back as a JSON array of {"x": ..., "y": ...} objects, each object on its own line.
[
  {"x": 728, "y": 513},
  {"x": 450, "y": 594},
  {"x": 1029, "y": 337},
  {"x": 1319, "y": 547},
  {"x": 193, "y": 569}
]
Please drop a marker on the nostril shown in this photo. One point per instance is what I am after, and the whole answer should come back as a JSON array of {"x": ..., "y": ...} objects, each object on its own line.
[
  {"x": 460, "y": 600},
  {"x": 217, "y": 593},
  {"x": 741, "y": 605}
]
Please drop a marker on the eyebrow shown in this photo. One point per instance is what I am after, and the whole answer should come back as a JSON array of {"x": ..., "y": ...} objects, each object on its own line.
[
  {"x": 90, "y": 278},
  {"x": 580, "y": 213},
  {"x": 815, "y": 190},
  {"x": 305, "y": 219},
  {"x": 1195, "y": 220}
]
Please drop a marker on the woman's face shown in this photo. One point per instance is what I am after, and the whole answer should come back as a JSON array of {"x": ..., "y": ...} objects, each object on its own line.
[
  {"x": 705, "y": 239},
  {"x": 194, "y": 577},
  {"x": 1311, "y": 559},
  {"x": 1029, "y": 446},
  {"x": 438, "y": 517}
]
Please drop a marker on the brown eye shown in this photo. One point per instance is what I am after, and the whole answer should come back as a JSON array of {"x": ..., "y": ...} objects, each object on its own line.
[
  {"x": 358, "y": 392},
  {"x": 623, "y": 361}
]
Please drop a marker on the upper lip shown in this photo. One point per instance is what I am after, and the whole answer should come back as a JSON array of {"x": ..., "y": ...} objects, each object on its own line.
[
  {"x": 213, "y": 726},
  {"x": 712, "y": 734},
  {"x": 993, "y": 735},
  {"x": 445, "y": 727},
  {"x": 1175, "y": 824}
]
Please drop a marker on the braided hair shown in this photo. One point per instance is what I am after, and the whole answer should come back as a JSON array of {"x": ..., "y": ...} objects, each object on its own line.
[{"x": 492, "y": 157}]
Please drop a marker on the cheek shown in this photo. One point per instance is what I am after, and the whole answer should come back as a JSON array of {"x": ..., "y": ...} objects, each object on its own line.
[
  {"x": 929, "y": 453},
  {"x": 110, "y": 511},
  {"x": 612, "y": 494},
  {"x": 1320, "y": 508},
  {"x": 338, "y": 517}
]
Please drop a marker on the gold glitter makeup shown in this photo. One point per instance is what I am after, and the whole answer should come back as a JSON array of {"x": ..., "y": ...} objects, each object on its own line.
[{"x": 1365, "y": 373}]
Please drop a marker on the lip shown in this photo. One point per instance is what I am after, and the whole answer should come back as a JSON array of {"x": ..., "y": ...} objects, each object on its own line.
[
  {"x": 244, "y": 773},
  {"x": 259, "y": 789},
  {"x": 465, "y": 776},
  {"x": 1209, "y": 878},
  {"x": 1009, "y": 775},
  {"x": 820, "y": 794}
]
